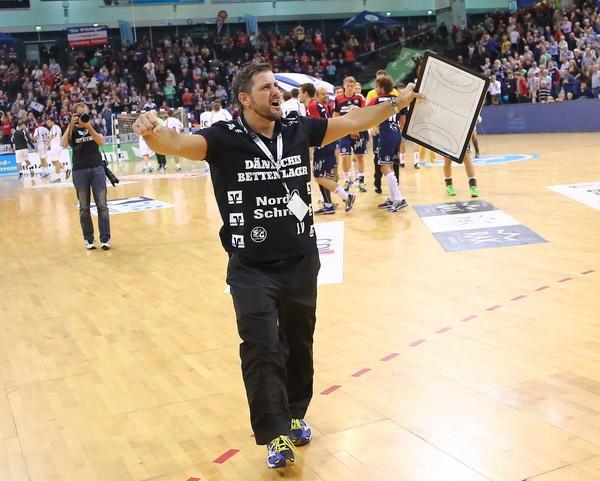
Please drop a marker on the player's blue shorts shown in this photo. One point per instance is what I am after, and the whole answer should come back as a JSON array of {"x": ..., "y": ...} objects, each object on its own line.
[
  {"x": 358, "y": 146},
  {"x": 388, "y": 149},
  {"x": 324, "y": 161}
]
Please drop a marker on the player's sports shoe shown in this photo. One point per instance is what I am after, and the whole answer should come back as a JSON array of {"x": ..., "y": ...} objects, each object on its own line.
[
  {"x": 326, "y": 209},
  {"x": 386, "y": 205},
  {"x": 348, "y": 185},
  {"x": 450, "y": 190},
  {"x": 178, "y": 169},
  {"x": 474, "y": 191},
  {"x": 68, "y": 174},
  {"x": 105, "y": 245},
  {"x": 378, "y": 190},
  {"x": 279, "y": 452},
  {"x": 397, "y": 205},
  {"x": 349, "y": 202},
  {"x": 300, "y": 433},
  {"x": 417, "y": 166},
  {"x": 89, "y": 245},
  {"x": 362, "y": 187},
  {"x": 402, "y": 165}
]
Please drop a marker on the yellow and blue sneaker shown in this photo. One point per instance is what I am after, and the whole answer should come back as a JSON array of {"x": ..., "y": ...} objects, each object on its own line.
[
  {"x": 280, "y": 451},
  {"x": 300, "y": 433}
]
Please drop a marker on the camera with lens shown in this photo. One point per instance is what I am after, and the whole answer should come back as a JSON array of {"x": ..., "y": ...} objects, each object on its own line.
[
  {"x": 113, "y": 179},
  {"x": 84, "y": 117}
]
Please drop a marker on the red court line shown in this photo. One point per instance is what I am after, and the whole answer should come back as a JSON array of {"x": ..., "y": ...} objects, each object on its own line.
[
  {"x": 330, "y": 389},
  {"x": 469, "y": 318},
  {"x": 193, "y": 479},
  {"x": 443, "y": 329},
  {"x": 226, "y": 455},
  {"x": 542, "y": 288},
  {"x": 493, "y": 308},
  {"x": 361, "y": 372},
  {"x": 565, "y": 279},
  {"x": 588, "y": 272},
  {"x": 522, "y": 296},
  {"x": 389, "y": 357},
  {"x": 416, "y": 343}
]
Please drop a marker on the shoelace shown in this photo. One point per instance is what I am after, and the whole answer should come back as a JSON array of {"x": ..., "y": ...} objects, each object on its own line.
[
  {"x": 281, "y": 444},
  {"x": 296, "y": 424}
]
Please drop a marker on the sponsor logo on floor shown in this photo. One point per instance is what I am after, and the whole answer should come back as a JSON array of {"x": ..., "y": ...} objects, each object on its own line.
[
  {"x": 488, "y": 159},
  {"x": 476, "y": 224},
  {"x": 330, "y": 242},
  {"x": 68, "y": 184},
  {"x": 187, "y": 174},
  {"x": 132, "y": 204},
  {"x": 587, "y": 193}
]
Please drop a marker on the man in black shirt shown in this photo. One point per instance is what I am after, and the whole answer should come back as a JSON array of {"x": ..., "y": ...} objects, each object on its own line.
[
  {"x": 88, "y": 174},
  {"x": 261, "y": 177},
  {"x": 21, "y": 141}
]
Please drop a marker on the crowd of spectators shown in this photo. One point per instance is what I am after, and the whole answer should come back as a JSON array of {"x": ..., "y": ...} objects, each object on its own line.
[
  {"x": 173, "y": 72},
  {"x": 539, "y": 54}
]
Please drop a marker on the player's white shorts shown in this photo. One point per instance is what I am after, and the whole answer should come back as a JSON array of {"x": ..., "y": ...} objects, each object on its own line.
[
  {"x": 21, "y": 156},
  {"x": 144, "y": 149},
  {"x": 55, "y": 152},
  {"x": 42, "y": 152}
]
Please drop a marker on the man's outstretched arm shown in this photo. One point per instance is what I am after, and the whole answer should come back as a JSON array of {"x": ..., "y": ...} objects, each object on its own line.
[
  {"x": 362, "y": 119},
  {"x": 168, "y": 142}
]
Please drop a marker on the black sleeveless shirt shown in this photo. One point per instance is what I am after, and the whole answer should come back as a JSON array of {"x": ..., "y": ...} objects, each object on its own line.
[{"x": 86, "y": 152}]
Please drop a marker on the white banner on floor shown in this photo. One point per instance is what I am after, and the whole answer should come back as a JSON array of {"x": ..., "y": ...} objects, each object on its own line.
[
  {"x": 475, "y": 220},
  {"x": 132, "y": 204},
  {"x": 587, "y": 193},
  {"x": 65, "y": 184},
  {"x": 330, "y": 242}
]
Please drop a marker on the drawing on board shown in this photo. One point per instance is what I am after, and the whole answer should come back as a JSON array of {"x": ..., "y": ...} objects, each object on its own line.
[{"x": 444, "y": 121}]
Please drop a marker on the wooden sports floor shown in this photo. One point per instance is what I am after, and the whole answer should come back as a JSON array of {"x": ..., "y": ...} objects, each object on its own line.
[{"x": 465, "y": 366}]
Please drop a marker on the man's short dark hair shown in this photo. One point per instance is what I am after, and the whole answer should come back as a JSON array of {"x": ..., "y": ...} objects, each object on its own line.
[
  {"x": 309, "y": 89},
  {"x": 294, "y": 93},
  {"x": 385, "y": 83},
  {"x": 243, "y": 80}
]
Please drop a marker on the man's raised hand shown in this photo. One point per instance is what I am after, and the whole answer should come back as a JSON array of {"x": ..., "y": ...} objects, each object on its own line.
[
  {"x": 146, "y": 124},
  {"x": 407, "y": 94}
]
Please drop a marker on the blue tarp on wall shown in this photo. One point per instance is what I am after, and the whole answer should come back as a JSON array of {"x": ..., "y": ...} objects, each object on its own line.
[{"x": 571, "y": 116}]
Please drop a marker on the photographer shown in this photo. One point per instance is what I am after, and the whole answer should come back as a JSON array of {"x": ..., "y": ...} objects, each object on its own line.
[{"x": 88, "y": 172}]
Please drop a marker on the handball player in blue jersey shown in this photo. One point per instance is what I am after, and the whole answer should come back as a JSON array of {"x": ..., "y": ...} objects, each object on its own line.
[{"x": 388, "y": 146}]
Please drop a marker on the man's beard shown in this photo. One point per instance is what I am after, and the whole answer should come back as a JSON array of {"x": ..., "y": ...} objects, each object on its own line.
[{"x": 265, "y": 112}]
